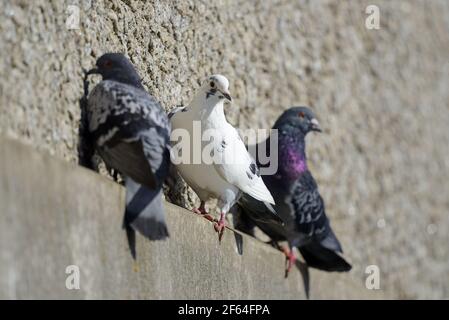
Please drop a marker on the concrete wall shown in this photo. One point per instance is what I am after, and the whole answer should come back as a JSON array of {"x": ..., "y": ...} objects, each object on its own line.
[
  {"x": 381, "y": 96},
  {"x": 54, "y": 214}
]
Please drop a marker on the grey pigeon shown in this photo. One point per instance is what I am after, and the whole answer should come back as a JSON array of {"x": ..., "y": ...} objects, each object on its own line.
[
  {"x": 131, "y": 133},
  {"x": 298, "y": 202}
]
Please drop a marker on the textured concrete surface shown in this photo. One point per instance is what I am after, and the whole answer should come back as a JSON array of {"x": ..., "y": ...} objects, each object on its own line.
[
  {"x": 54, "y": 214},
  {"x": 381, "y": 96}
]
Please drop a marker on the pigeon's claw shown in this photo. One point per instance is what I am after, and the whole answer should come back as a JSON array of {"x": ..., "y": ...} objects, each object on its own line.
[
  {"x": 220, "y": 226},
  {"x": 290, "y": 262},
  {"x": 201, "y": 210},
  {"x": 290, "y": 259},
  {"x": 208, "y": 217}
]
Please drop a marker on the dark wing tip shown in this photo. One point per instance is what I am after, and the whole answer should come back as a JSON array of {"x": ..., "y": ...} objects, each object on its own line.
[
  {"x": 324, "y": 259},
  {"x": 274, "y": 217},
  {"x": 331, "y": 242}
]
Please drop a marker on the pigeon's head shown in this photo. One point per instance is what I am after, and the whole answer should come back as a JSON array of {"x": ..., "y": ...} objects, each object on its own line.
[
  {"x": 300, "y": 118},
  {"x": 217, "y": 87},
  {"x": 117, "y": 67}
]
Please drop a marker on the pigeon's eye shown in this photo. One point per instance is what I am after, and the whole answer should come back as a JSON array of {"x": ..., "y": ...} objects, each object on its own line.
[
  {"x": 301, "y": 114},
  {"x": 212, "y": 84},
  {"x": 107, "y": 64}
]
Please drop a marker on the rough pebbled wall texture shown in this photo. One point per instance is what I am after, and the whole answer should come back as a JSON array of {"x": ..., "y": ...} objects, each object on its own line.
[{"x": 382, "y": 97}]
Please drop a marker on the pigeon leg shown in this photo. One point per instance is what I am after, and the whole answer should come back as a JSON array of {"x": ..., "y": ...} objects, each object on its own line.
[
  {"x": 202, "y": 211},
  {"x": 290, "y": 259},
  {"x": 220, "y": 226}
]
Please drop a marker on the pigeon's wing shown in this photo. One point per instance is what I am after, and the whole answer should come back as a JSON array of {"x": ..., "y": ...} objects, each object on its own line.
[
  {"x": 131, "y": 131},
  {"x": 235, "y": 165},
  {"x": 176, "y": 110},
  {"x": 132, "y": 153},
  {"x": 309, "y": 212}
]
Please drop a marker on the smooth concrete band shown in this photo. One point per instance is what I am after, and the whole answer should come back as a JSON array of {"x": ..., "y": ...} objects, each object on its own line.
[{"x": 54, "y": 214}]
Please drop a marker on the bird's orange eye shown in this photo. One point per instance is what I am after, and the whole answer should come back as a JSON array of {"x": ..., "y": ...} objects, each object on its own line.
[
  {"x": 212, "y": 84},
  {"x": 301, "y": 114},
  {"x": 108, "y": 63}
]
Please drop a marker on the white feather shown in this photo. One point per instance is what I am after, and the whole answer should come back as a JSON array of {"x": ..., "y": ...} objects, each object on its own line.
[
  {"x": 231, "y": 172},
  {"x": 234, "y": 166}
]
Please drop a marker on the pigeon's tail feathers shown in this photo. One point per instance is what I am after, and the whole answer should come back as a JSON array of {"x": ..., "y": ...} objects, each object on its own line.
[
  {"x": 258, "y": 211},
  {"x": 242, "y": 221},
  {"x": 319, "y": 257},
  {"x": 259, "y": 191},
  {"x": 331, "y": 242},
  {"x": 325, "y": 254},
  {"x": 145, "y": 211},
  {"x": 151, "y": 229},
  {"x": 270, "y": 207}
]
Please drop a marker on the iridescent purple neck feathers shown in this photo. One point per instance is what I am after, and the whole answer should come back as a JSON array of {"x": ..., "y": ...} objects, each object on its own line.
[{"x": 292, "y": 156}]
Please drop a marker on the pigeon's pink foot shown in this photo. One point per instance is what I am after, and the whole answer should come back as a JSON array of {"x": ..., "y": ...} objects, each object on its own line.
[
  {"x": 220, "y": 226},
  {"x": 202, "y": 211},
  {"x": 290, "y": 259},
  {"x": 204, "y": 214}
]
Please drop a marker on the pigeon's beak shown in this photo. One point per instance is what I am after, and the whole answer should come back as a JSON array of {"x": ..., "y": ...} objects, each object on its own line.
[
  {"x": 227, "y": 95},
  {"x": 92, "y": 71},
  {"x": 315, "y": 125}
]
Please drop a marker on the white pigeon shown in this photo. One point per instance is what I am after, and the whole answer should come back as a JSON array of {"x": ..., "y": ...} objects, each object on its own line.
[{"x": 233, "y": 170}]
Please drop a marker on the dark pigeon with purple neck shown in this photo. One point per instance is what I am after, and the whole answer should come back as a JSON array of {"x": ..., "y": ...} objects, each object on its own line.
[{"x": 298, "y": 202}]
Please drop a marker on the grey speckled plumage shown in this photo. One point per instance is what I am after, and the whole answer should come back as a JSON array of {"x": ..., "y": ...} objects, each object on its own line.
[
  {"x": 132, "y": 134},
  {"x": 298, "y": 201}
]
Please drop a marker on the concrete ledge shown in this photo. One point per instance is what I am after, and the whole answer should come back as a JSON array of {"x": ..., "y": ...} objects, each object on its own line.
[{"x": 54, "y": 214}]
